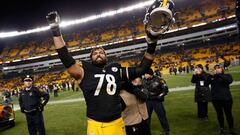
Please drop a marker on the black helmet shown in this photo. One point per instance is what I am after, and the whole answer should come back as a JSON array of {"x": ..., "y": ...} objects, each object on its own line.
[{"x": 159, "y": 17}]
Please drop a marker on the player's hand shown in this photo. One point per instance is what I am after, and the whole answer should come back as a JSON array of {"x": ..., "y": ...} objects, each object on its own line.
[
  {"x": 53, "y": 19},
  {"x": 151, "y": 38}
]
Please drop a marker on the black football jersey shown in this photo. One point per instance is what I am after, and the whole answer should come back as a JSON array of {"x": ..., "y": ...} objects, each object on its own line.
[{"x": 101, "y": 87}]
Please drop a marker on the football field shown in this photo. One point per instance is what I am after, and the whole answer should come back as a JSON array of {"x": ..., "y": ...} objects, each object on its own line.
[{"x": 69, "y": 118}]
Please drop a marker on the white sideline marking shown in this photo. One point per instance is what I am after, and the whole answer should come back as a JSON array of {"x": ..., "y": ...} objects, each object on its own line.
[{"x": 193, "y": 87}]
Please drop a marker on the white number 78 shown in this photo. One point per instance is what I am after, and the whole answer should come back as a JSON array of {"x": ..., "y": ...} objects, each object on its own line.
[{"x": 111, "y": 85}]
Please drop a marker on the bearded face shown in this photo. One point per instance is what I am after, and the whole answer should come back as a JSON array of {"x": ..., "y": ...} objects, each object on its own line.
[{"x": 99, "y": 58}]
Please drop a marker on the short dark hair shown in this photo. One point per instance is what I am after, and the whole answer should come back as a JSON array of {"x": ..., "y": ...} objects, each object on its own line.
[
  {"x": 150, "y": 71},
  {"x": 200, "y": 66},
  {"x": 219, "y": 66}
]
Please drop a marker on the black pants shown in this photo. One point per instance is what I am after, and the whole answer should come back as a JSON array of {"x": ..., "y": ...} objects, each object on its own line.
[
  {"x": 226, "y": 107},
  {"x": 202, "y": 109},
  {"x": 139, "y": 129},
  {"x": 158, "y": 107},
  {"x": 35, "y": 123}
]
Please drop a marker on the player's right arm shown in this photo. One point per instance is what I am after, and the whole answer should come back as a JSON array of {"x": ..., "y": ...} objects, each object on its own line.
[{"x": 74, "y": 69}]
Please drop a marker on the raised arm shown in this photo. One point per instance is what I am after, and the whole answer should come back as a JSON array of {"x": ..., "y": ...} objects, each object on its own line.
[
  {"x": 74, "y": 69},
  {"x": 134, "y": 72}
]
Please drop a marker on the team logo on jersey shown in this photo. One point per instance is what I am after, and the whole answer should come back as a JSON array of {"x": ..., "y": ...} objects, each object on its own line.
[{"x": 114, "y": 69}]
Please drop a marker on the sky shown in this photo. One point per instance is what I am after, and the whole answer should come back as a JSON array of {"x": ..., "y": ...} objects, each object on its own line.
[{"x": 26, "y": 14}]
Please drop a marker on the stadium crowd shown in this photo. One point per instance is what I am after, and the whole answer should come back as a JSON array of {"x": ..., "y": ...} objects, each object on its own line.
[
  {"x": 210, "y": 11},
  {"x": 174, "y": 62}
]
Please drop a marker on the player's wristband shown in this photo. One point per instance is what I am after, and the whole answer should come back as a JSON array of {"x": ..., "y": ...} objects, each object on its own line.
[
  {"x": 151, "y": 48},
  {"x": 56, "y": 31},
  {"x": 65, "y": 57},
  {"x": 143, "y": 67}
]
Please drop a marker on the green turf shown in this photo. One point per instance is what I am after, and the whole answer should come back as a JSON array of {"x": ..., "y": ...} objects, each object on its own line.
[
  {"x": 182, "y": 114},
  {"x": 70, "y": 118},
  {"x": 63, "y": 95},
  {"x": 183, "y": 80}
]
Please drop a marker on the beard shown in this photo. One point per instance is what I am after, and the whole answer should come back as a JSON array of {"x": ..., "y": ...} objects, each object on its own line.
[{"x": 99, "y": 63}]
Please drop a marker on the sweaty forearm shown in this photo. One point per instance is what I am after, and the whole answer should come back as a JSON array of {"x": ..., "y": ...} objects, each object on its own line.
[{"x": 58, "y": 42}]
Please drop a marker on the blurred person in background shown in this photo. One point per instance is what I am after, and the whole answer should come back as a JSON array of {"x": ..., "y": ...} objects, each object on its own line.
[
  {"x": 55, "y": 90},
  {"x": 32, "y": 102},
  {"x": 202, "y": 91},
  {"x": 6, "y": 97},
  {"x": 222, "y": 98},
  {"x": 135, "y": 114},
  {"x": 157, "y": 89}
]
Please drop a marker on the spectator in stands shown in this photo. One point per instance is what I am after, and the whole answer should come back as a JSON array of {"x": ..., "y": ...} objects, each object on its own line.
[
  {"x": 183, "y": 69},
  {"x": 73, "y": 85},
  {"x": 175, "y": 70},
  {"x": 226, "y": 64},
  {"x": 55, "y": 90},
  {"x": 64, "y": 85},
  {"x": 50, "y": 87},
  {"x": 192, "y": 67},
  {"x": 158, "y": 90},
  {"x": 202, "y": 91},
  {"x": 207, "y": 66},
  {"x": 222, "y": 98},
  {"x": 135, "y": 114},
  {"x": 170, "y": 70},
  {"x": 187, "y": 68},
  {"x": 179, "y": 69},
  {"x": 69, "y": 85}
]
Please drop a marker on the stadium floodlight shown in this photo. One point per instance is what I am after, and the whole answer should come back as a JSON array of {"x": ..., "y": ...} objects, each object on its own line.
[
  {"x": 8, "y": 34},
  {"x": 79, "y": 21}
]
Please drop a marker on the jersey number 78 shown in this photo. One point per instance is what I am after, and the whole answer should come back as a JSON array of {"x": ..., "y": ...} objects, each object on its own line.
[{"x": 111, "y": 84}]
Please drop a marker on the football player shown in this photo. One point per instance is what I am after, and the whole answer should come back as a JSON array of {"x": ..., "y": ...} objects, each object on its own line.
[{"x": 100, "y": 81}]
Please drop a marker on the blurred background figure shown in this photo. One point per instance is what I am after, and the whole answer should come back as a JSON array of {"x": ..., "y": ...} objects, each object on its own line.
[
  {"x": 32, "y": 102},
  {"x": 222, "y": 98},
  {"x": 202, "y": 91},
  {"x": 6, "y": 97},
  {"x": 157, "y": 89},
  {"x": 135, "y": 112}
]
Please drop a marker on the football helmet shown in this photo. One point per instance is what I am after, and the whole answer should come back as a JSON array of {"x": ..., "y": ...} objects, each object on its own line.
[{"x": 159, "y": 17}]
